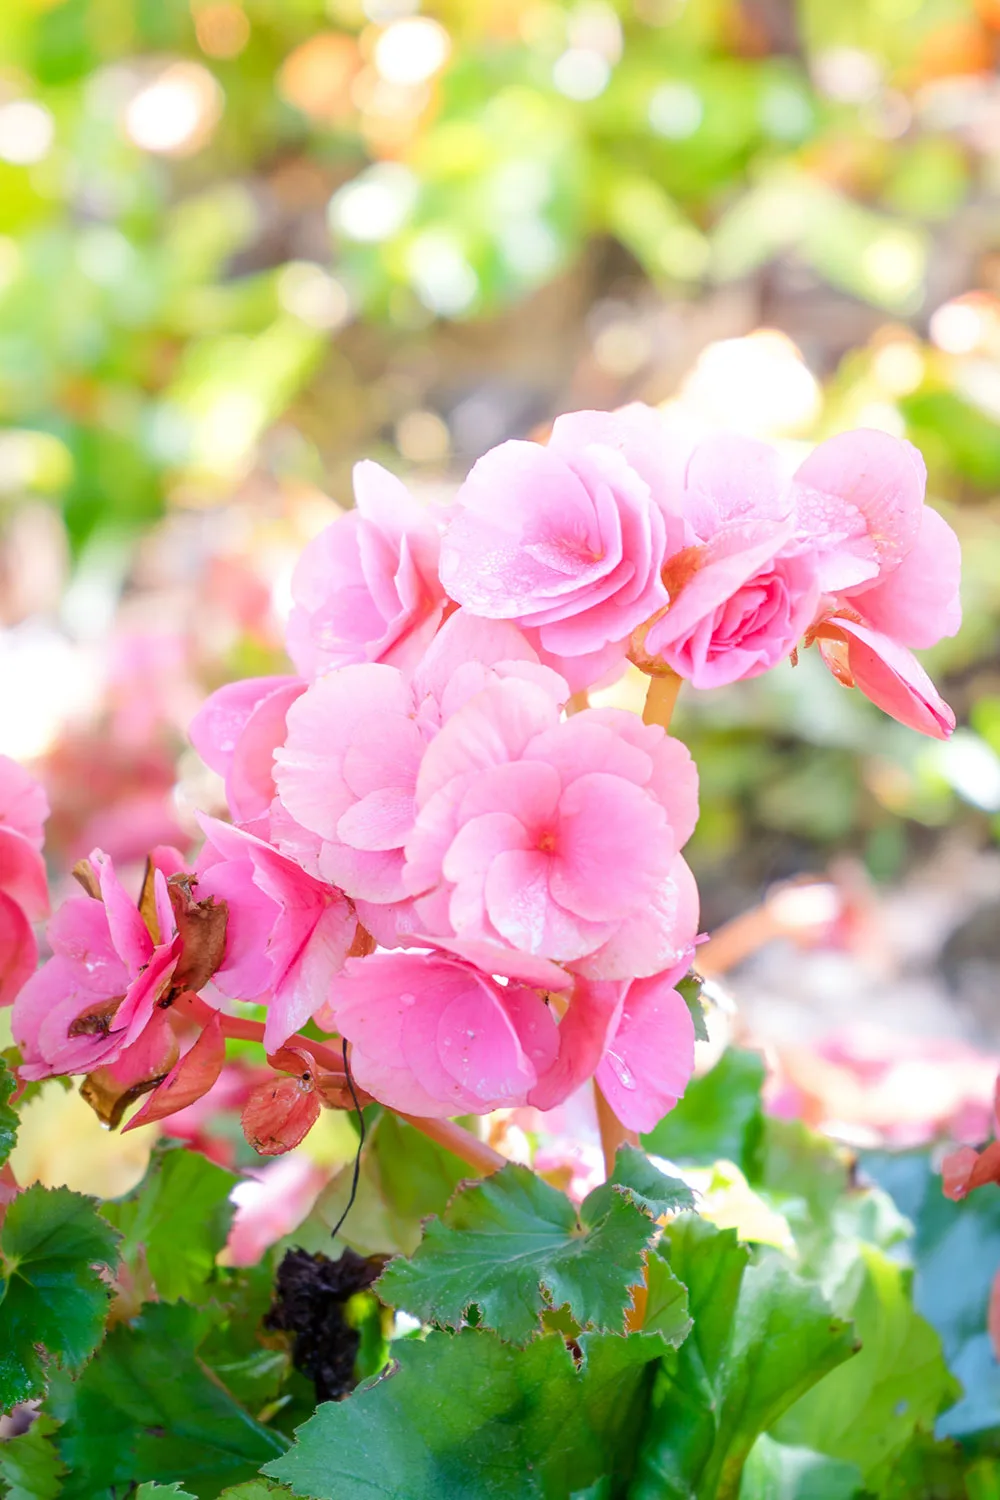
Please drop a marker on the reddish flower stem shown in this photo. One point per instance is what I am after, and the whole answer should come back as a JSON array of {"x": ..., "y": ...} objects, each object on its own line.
[
  {"x": 613, "y": 1132},
  {"x": 454, "y": 1138}
]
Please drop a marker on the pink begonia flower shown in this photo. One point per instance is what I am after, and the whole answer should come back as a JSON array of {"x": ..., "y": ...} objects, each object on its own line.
[
  {"x": 347, "y": 772},
  {"x": 287, "y": 933},
  {"x": 558, "y": 838},
  {"x": 23, "y": 887},
  {"x": 566, "y": 540},
  {"x": 367, "y": 588},
  {"x": 889, "y": 570},
  {"x": 271, "y": 1201},
  {"x": 744, "y": 587},
  {"x": 431, "y": 1035},
  {"x": 95, "y": 996},
  {"x": 236, "y": 733},
  {"x": 636, "y": 1039}
]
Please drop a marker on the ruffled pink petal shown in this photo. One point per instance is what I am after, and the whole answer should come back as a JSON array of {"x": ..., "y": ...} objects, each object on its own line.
[
  {"x": 720, "y": 569},
  {"x": 79, "y": 932},
  {"x": 647, "y": 443},
  {"x": 613, "y": 846},
  {"x": 919, "y": 602},
  {"x": 859, "y": 496},
  {"x": 129, "y": 934},
  {"x": 496, "y": 958},
  {"x": 491, "y": 729},
  {"x": 891, "y": 677},
  {"x": 734, "y": 478},
  {"x": 584, "y": 1032},
  {"x": 521, "y": 907},
  {"x": 250, "y": 781},
  {"x": 216, "y": 728},
  {"x": 650, "y": 1057},
  {"x": 526, "y": 531},
  {"x": 659, "y": 937}
]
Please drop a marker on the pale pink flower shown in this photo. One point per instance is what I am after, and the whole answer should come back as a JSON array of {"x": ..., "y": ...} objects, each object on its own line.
[
  {"x": 236, "y": 732},
  {"x": 271, "y": 1201},
  {"x": 23, "y": 887},
  {"x": 558, "y": 838},
  {"x": 744, "y": 587},
  {"x": 431, "y": 1035},
  {"x": 367, "y": 588},
  {"x": 636, "y": 1039},
  {"x": 347, "y": 772},
  {"x": 287, "y": 934},
  {"x": 96, "y": 995},
  {"x": 566, "y": 539},
  {"x": 889, "y": 571}
]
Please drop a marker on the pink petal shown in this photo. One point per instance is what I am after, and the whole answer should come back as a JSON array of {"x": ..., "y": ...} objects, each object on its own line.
[
  {"x": 250, "y": 781},
  {"x": 216, "y": 728},
  {"x": 613, "y": 846},
  {"x": 382, "y": 819},
  {"x": 740, "y": 478},
  {"x": 18, "y": 950},
  {"x": 524, "y": 911},
  {"x": 650, "y": 1058},
  {"x": 893, "y": 679},
  {"x": 495, "y": 958},
  {"x": 584, "y": 1032},
  {"x": 656, "y": 938},
  {"x": 919, "y": 602},
  {"x": 860, "y": 498},
  {"x": 128, "y": 931},
  {"x": 22, "y": 873},
  {"x": 188, "y": 1080}
]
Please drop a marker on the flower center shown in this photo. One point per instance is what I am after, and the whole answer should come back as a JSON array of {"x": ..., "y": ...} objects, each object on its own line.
[{"x": 547, "y": 842}]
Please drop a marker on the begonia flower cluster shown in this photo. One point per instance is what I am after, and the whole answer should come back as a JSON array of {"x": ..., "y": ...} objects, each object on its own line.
[{"x": 437, "y": 851}]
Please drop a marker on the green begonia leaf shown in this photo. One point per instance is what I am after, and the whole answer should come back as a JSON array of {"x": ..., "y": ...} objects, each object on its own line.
[
  {"x": 776, "y": 1472},
  {"x": 404, "y": 1177},
  {"x": 761, "y": 1338},
  {"x": 869, "y": 1411},
  {"x": 719, "y": 1118},
  {"x": 466, "y": 1417},
  {"x": 512, "y": 1246},
  {"x": 666, "y": 1310},
  {"x": 148, "y": 1409},
  {"x": 53, "y": 1303},
  {"x": 177, "y": 1219},
  {"x": 635, "y": 1178},
  {"x": 30, "y": 1466},
  {"x": 8, "y": 1117},
  {"x": 151, "y": 1491}
]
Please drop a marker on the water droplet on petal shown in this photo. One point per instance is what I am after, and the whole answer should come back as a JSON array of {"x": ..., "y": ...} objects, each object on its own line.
[{"x": 621, "y": 1070}]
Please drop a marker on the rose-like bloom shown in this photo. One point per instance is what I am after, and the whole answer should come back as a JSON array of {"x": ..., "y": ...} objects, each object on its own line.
[
  {"x": 557, "y": 838},
  {"x": 889, "y": 570},
  {"x": 367, "y": 588},
  {"x": 236, "y": 732},
  {"x": 287, "y": 933},
  {"x": 744, "y": 588},
  {"x": 636, "y": 1039},
  {"x": 347, "y": 772},
  {"x": 566, "y": 540},
  {"x": 23, "y": 888},
  {"x": 431, "y": 1035},
  {"x": 94, "y": 998}
]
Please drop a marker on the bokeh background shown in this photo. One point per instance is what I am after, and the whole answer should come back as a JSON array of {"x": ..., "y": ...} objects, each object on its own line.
[{"x": 244, "y": 243}]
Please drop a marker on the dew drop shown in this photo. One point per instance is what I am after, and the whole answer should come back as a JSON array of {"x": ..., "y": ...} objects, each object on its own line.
[{"x": 621, "y": 1071}]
